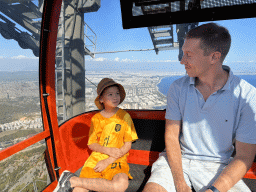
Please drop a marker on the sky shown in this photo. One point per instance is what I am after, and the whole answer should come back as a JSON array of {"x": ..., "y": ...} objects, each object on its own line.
[{"x": 107, "y": 24}]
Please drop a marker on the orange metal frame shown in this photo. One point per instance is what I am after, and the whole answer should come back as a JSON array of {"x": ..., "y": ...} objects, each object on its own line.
[{"x": 49, "y": 30}]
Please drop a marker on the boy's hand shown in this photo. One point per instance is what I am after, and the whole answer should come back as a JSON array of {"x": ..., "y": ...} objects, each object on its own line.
[
  {"x": 101, "y": 166},
  {"x": 115, "y": 152}
]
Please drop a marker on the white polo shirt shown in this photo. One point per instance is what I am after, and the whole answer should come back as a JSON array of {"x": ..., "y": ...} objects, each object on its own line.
[{"x": 210, "y": 127}]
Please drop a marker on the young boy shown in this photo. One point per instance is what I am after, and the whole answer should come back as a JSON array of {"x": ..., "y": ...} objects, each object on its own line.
[{"x": 111, "y": 135}]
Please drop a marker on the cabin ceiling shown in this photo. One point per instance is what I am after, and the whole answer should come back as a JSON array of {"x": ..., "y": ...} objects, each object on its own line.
[{"x": 150, "y": 13}]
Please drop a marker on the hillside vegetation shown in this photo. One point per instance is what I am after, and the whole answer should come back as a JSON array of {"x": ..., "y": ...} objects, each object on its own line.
[
  {"x": 24, "y": 168},
  {"x": 14, "y": 109}
]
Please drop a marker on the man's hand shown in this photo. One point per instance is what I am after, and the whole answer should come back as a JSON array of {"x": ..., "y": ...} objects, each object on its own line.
[
  {"x": 101, "y": 166},
  {"x": 115, "y": 152}
]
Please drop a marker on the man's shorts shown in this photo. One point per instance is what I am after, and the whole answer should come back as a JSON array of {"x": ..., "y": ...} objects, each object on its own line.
[
  {"x": 197, "y": 173},
  {"x": 112, "y": 170}
]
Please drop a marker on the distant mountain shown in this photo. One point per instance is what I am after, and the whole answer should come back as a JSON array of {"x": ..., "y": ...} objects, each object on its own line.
[
  {"x": 245, "y": 67},
  {"x": 22, "y": 63},
  {"x": 19, "y": 64},
  {"x": 19, "y": 76},
  {"x": 134, "y": 66}
]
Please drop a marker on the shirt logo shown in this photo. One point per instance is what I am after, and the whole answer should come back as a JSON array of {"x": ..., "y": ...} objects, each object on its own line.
[{"x": 118, "y": 127}]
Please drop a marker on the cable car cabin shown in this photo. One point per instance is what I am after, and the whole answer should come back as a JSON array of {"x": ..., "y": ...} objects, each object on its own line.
[{"x": 67, "y": 143}]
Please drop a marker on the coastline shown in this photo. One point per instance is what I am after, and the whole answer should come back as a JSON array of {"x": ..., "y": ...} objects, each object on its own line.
[
  {"x": 157, "y": 88},
  {"x": 250, "y": 78},
  {"x": 171, "y": 78}
]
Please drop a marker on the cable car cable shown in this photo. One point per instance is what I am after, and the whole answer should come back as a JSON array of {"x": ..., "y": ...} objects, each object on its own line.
[
  {"x": 90, "y": 81},
  {"x": 124, "y": 51}
]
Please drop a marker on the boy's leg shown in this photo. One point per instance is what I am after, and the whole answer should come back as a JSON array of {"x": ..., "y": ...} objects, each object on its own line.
[
  {"x": 118, "y": 183},
  {"x": 161, "y": 178},
  {"x": 63, "y": 183}
]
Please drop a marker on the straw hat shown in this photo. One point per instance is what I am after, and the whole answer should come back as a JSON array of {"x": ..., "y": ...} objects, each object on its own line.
[{"x": 104, "y": 83}]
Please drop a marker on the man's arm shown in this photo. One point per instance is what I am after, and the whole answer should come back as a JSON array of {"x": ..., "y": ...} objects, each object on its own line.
[
  {"x": 172, "y": 144},
  {"x": 238, "y": 167}
]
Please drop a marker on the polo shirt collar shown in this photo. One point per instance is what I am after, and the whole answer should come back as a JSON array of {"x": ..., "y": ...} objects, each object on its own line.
[{"x": 226, "y": 86}]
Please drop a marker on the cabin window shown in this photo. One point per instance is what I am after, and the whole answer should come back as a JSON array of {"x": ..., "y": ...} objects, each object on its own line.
[
  {"x": 19, "y": 84},
  {"x": 110, "y": 51},
  {"x": 20, "y": 112},
  {"x": 25, "y": 170}
]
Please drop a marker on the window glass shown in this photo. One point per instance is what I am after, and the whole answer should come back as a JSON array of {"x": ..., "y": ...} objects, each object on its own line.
[
  {"x": 19, "y": 87},
  {"x": 25, "y": 170},
  {"x": 20, "y": 114},
  {"x": 145, "y": 66},
  {"x": 147, "y": 77}
]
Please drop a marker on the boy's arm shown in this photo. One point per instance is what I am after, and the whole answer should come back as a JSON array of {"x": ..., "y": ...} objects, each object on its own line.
[
  {"x": 124, "y": 149},
  {"x": 97, "y": 147},
  {"x": 111, "y": 151},
  {"x": 101, "y": 165}
]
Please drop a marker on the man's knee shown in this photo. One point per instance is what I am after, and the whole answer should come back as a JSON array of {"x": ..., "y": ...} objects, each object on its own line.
[
  {"x": 153, "y": 187},
  {"x": 120, "y": 182}
]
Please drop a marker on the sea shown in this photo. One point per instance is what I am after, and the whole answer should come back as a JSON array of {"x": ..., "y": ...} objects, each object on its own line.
[{"x": 165, "y": 83}]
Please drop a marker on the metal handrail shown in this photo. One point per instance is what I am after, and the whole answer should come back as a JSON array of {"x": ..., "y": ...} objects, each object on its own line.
[
  {"x": 88, "y": 36},
  {"x": 90, "y": 28}
]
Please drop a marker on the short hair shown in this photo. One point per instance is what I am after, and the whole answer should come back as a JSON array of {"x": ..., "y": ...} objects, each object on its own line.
[{"x": 213, "y": 38}]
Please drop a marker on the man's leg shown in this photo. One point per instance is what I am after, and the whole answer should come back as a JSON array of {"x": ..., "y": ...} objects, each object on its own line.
[
  {"x": 161, "y": 176},
  {"x": 204, "y": 173},
  {"x": 153, "y": 187},
  {"x": 118, "y": 183}
]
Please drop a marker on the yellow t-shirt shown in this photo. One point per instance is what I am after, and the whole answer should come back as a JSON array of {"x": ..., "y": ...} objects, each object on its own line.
[{"x": 110, "y": 132}]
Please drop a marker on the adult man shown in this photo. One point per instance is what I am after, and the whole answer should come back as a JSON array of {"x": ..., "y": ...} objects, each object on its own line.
[{"x": 207, "y": 111}]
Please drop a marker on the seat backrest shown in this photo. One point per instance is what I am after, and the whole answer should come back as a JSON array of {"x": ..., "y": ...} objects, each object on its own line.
[{"x": 150, "y": 127}]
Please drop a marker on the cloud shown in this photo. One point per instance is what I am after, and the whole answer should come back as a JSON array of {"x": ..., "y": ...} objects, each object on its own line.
[
  {"x": 100, "y": 59},
  {"x": 1, "y": 57},
  {"x": 117, "y": 59},
  {"x": 126, "y": 60},
  {"x": 19, "y": 57},
  {"x": 23, "y": 57},
  {"x": 167, "y": 61}
]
